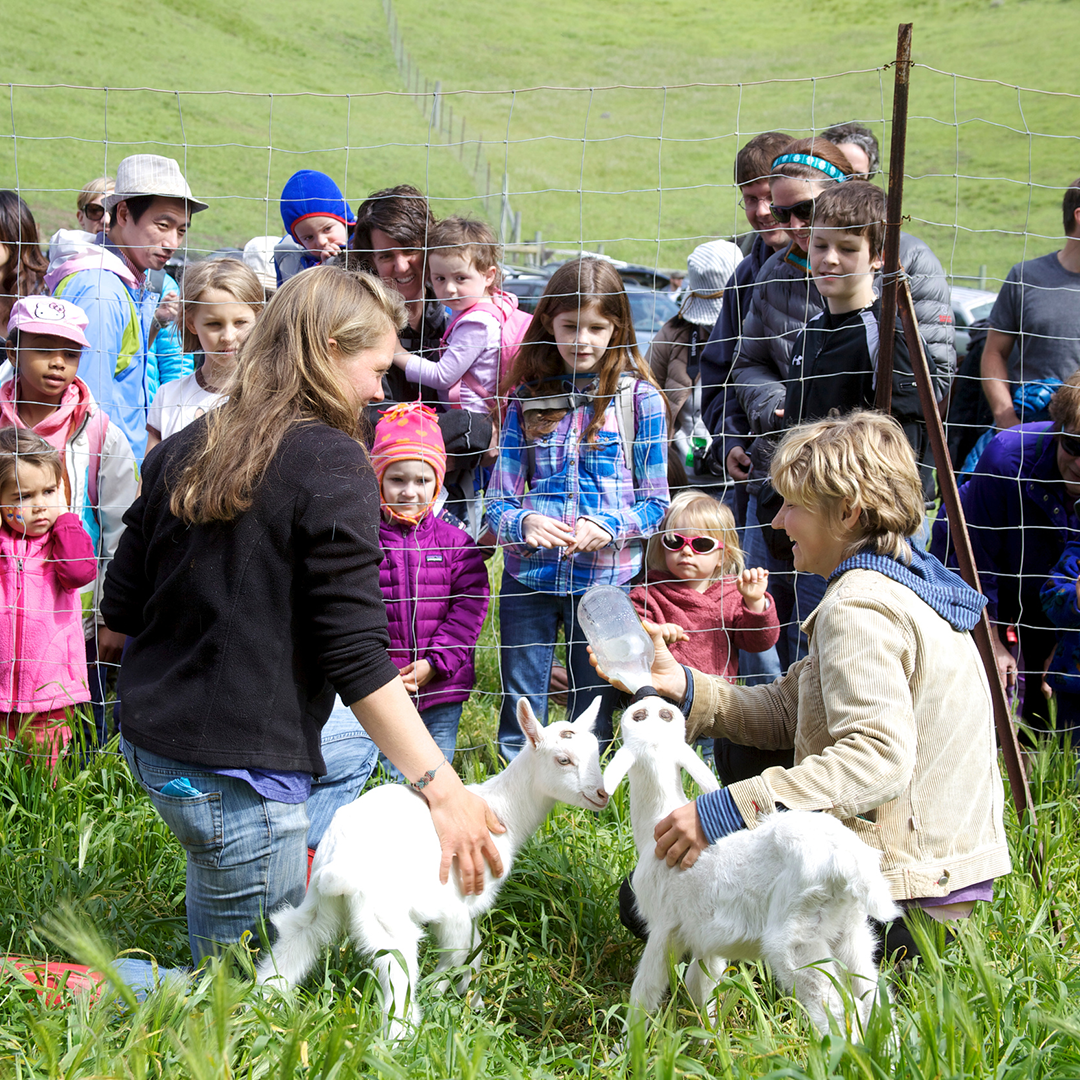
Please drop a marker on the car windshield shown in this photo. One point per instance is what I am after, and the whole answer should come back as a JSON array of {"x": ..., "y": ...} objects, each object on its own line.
[
  {"x": 982, "y": 311},
  {"x": 650, "y": 310}
]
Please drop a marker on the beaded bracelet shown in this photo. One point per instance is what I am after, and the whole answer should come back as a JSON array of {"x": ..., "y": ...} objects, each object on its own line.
[{"x": 419, "y": 785}]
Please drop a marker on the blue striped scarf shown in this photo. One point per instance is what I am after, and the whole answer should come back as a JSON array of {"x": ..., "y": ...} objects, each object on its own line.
[{"x": 947, "y": 593}]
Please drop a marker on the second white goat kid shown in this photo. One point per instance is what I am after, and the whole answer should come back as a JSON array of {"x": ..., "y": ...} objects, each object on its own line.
[
  {"x": 376, "y": 870},
  {"x": 796, "y": 891}
]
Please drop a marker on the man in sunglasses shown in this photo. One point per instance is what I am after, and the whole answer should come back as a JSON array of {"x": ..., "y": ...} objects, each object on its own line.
[
  {"x": 1034, "y": 330},
  {"x": 1020, "y": 507},
  {"x": 93, "y": 221},
  {"x": 151, "y": 208},
  {"x": 720, "y": 409},
  {"x": 90, "y": 205},
  {"x": 784, "y": 300}
]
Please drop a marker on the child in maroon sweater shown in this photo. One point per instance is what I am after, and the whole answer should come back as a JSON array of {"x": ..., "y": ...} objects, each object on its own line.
[{"x": 708, "y": 605}]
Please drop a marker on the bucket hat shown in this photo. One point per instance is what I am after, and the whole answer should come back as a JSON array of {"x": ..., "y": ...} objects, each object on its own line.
[
  {"x": 150, "y": 174},
  {"x": 710, "y": 266}
]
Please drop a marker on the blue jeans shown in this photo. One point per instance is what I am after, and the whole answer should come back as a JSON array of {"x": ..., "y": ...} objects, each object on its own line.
[
  {"x": 245, "y": 854},
  {"x": 528, "y": 625},
  {"x": 756, "y": 668},
  {"x": 442, "y": 723},
  {"x": 350, "y": 756}
]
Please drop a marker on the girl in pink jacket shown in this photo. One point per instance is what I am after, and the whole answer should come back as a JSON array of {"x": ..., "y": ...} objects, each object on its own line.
[{"x": 45, "y": 558}]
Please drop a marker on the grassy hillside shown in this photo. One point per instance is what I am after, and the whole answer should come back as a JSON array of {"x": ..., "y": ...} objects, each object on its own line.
[
  {"x": 262, "y": 93},
  {"x": 781, "y": 69},
  {"x": 244, "y": 94}
]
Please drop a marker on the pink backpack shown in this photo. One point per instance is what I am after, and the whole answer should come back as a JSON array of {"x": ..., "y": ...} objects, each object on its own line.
[{"x": 513, "y": 323}]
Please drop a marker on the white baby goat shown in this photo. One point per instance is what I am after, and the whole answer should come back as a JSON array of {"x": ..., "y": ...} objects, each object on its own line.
[
  {"x": 796, "y": 891},
  {"x": 376, "y": 871}
]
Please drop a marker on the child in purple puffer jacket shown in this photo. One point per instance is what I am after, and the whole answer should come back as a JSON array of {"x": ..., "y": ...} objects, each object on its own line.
[{"x": 433, "y": 575}]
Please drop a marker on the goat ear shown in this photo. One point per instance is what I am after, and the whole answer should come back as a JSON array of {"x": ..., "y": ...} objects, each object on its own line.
[
  {"x": 617, "y": 768},
  {"x": 587, "y": 720},
  {"x": 528, "y": 723},
  {"x": 701, "y": 773}
]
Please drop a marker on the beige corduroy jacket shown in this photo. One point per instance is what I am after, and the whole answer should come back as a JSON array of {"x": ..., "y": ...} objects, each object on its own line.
[{"x": 892, "y": 724}]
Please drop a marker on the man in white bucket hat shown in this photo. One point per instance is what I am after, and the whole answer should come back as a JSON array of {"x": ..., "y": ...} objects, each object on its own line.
[
  {"x": 675, "y": 353},
  {"x": 151, "y": 208}
]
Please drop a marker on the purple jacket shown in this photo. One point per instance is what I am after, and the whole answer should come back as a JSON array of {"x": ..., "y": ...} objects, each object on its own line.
[
  {"x": 435, "y": 584},
  {"x": 1020, "y": 518}
]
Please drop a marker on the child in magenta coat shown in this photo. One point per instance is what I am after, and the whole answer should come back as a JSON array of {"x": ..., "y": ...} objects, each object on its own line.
[
  {"x": 433, "y": 575},
  {"x": 45, "y": 558}
]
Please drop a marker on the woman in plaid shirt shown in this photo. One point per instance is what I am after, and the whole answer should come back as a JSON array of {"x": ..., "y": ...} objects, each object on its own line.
[{"x": 581, "y": 479}]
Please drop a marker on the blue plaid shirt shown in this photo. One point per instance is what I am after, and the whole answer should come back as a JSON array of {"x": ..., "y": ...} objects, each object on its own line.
[{"x": 574, "y": 479}]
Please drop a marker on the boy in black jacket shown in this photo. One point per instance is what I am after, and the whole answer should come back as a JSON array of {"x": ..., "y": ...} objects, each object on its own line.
[{"x": 834, "y": 365}]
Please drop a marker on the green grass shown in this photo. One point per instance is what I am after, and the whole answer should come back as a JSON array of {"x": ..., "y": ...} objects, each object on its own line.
[
  {"x": 248, "y": 92},
  {"x": 88, "y": 872}
]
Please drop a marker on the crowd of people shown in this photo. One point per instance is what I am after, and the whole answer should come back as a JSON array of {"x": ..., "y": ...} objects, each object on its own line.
[{"x": 267, "y": 494}]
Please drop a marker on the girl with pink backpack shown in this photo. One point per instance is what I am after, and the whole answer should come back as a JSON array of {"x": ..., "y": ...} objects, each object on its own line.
[
  {"x": 478, "y": 346},
  {"x": 485, "y": 326}
]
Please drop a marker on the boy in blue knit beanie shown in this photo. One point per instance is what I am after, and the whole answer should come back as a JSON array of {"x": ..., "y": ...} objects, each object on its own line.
[{"x": 316, "y": 215}]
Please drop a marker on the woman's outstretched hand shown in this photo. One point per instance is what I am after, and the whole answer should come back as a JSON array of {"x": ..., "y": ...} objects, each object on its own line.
[
  {"x": 668, "y": 676},
  {"x": 464, "y": 822}
]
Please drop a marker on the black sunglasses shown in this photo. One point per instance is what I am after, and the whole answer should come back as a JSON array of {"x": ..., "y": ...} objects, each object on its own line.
[
  {"x": 94, "y": 211},
  {"x": 1069, "y": 443},
  {"x": 702, "y": 545},
  {"x": 804, "y": 211}
]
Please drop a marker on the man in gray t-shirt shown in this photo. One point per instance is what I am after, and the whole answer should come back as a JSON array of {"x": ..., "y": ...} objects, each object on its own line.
[{"x": 1035, "y": 325}]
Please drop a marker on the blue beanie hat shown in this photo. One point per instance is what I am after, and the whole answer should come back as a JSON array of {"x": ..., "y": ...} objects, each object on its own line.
[{"x": 312, "y": 194}]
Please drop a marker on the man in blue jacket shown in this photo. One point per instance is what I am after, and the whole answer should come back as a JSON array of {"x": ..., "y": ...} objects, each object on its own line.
[{"x": 151, "y": 209}]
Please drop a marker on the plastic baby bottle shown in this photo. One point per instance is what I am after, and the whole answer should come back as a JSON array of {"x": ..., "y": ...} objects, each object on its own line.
[{"x": 622, "y": 647}]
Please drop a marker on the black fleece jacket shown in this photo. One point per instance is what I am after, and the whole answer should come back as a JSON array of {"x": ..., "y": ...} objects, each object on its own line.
[
  {"x": 241, "y": 631},
  {"x": 834, "y": 366}
]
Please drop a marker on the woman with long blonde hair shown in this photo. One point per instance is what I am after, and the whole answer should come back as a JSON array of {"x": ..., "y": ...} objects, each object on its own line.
[{"x": 247, "y": 583}]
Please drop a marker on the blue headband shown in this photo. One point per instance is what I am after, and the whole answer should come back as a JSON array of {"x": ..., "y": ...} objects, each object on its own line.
[{"x": 827, "y": 167}]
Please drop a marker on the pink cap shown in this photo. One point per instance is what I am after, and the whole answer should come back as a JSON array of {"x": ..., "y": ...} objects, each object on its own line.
[
  {"x": 406, "y": 432},
  {"x": 409, "y": 432},
  {"x": 49, "y": 315}
]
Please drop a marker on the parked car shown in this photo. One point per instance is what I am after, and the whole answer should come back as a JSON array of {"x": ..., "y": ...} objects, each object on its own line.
[
  {"x": 969, "y": 306},
  {"x": 650, "y": 311},
  {"x": 526, "y": 285}
]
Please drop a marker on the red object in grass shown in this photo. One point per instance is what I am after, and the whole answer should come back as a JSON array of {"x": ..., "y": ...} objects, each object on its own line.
[
  {"x": 46, "y": 975},
  {"x": 310, "y": 858}
]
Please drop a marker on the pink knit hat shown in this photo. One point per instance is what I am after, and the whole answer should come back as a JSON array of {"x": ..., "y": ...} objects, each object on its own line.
[{"x": 409, "y": 432}]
